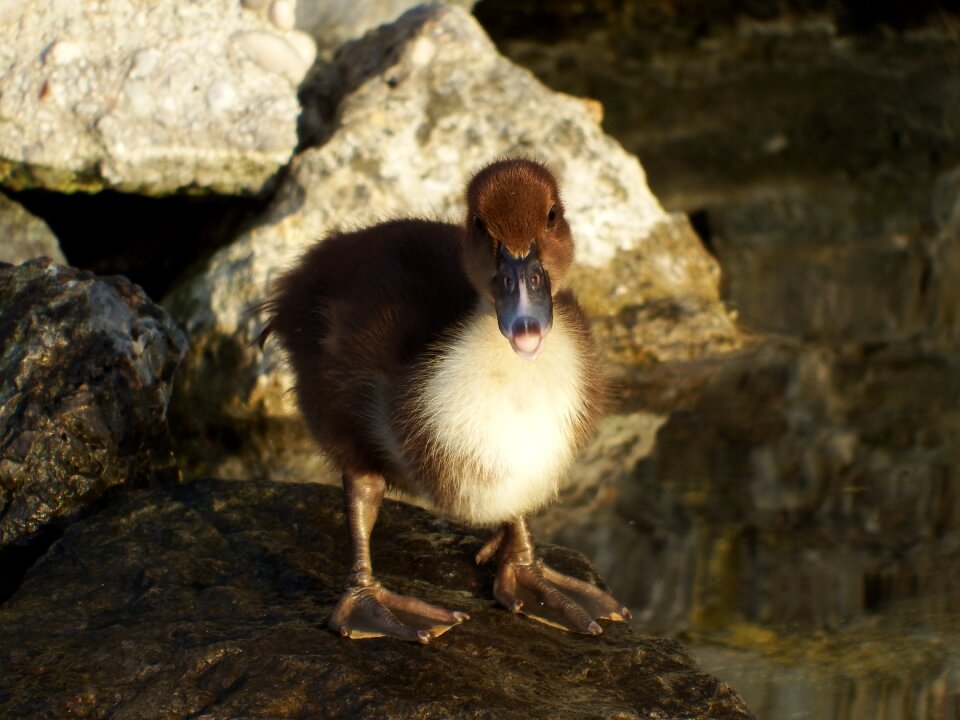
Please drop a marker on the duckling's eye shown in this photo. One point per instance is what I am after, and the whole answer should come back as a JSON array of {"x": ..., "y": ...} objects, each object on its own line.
[
  {"x": 552, "y": 215},
  {"x": 478, "y": 224}
]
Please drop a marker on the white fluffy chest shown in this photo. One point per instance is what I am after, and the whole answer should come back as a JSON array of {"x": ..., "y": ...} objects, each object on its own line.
[{"x": 505, "y": 423}]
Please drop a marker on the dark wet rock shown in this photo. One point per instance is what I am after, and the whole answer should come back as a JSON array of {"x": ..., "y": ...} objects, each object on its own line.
[
  {"x": 210, "y": 600},
  {"x": 85, "y": 370},
  {"x": 793, "y": 484}
]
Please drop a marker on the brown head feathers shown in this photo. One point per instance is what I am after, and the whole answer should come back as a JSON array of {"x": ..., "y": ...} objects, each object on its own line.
[{"x": 515, "y": 204}]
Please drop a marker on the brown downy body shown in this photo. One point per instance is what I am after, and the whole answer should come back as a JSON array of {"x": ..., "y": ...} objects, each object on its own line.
[
  {"x": 447, "y": 362},
  {"x": 401, "y": 368}
]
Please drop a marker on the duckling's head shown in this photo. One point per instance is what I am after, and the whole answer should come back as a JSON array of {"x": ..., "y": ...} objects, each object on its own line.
[{"x": 517, "y": 247}]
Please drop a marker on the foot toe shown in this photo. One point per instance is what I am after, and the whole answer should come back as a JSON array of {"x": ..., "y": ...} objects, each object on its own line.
[
  {"x": 371, "y": 611},
  {"x": 558, "y": 600}
]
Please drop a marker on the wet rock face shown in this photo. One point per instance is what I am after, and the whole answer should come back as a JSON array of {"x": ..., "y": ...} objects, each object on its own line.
[
  {"x": 808, "y": 139},
  {"x": 210, "y": 599},
  {"x": 816, "y": 147},
  {"x": 85, "y": 370},
  {"x": 793, "y": 484},
  {"x": 146, "y": 97}
]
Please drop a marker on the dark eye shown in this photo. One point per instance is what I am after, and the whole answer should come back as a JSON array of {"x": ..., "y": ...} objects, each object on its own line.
[
  {"x": 552, "y": 215},
  {"x": 535, "y": 280},
  {"x": 507, "y": 282},
  {"x": 478, "y": 223}
]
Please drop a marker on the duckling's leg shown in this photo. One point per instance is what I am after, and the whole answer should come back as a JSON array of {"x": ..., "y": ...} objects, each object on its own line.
[
  {"x": 367, "y": 609},
  {"x": 526, "y": 585}
]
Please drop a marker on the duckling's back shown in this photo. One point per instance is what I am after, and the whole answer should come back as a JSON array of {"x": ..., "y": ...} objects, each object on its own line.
[{"x": 357, "y": 309}]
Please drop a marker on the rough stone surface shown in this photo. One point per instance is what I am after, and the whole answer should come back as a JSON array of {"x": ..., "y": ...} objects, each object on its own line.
[
  {"x": 146, "y": 97},
  {"x": 398, "y": 123},
  {"x": 335, "y": 22},
  {"x": 210, "y": 600},
  {"x": 85, "y": 370},
  {"x": 24, "y": 236}
]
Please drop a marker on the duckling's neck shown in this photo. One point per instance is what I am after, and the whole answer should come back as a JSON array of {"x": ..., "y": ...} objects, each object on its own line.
[{"x": 504, "y": 425}]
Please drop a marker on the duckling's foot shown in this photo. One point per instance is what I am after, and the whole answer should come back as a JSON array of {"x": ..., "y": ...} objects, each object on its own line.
[
  {"x": 366, "y": 608},
  {"x": 524, "y": 584},
  {"x": 367, "y": 611},
  {"x": 540, "y": 592}
]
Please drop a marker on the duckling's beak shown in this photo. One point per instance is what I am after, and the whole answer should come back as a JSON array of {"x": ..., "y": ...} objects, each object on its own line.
[{"x": 523, "y": 301}]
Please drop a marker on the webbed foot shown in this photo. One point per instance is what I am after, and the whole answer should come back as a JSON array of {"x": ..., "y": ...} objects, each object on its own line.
[
  {"x": 367, "y": 611},
  {"x": 366, "y": 608},
  {"x": 526, "y": 585}
]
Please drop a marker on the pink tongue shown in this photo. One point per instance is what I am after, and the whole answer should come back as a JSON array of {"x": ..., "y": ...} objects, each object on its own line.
[{"x": 527, "y": 344}]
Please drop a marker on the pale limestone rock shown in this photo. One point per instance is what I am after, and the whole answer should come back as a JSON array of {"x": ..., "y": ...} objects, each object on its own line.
[
  {"x": 272, "y": 53},
  {"x": 283, "y": 14},
  {"x": 333, "y": 22},
  {"x": 118, "y": 94},
  {"x": 24, "y": 236}
]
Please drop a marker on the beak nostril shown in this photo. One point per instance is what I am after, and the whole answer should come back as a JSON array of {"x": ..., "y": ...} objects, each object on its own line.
[{"x": 526, "y": 326}]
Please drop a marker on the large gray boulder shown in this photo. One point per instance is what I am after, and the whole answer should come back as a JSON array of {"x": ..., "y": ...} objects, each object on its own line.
[
  {"x": 147, "y": 97},
  {"x": 398, "y": 122},
  {"x": 210, "y": 600},
  {"x": 86, "y": 365}
]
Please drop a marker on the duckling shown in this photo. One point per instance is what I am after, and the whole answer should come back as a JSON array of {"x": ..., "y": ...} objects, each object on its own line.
[{"x": 448, "y": 362}]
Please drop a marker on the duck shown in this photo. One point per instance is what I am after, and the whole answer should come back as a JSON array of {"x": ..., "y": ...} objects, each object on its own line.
[{"x": 450, "y": 363}]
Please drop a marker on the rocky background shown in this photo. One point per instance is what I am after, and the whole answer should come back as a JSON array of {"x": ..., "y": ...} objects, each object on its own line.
[{"x": 775, "y": 288}]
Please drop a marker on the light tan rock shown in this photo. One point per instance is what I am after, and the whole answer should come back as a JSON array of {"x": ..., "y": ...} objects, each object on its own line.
[
  {"x": 283, "y": 14},
  {"x": 118, "y": 94},
  {"x": 24, "y": 236},
  {"x": 334, "y": 22}
]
